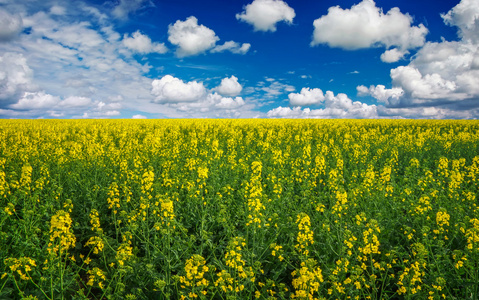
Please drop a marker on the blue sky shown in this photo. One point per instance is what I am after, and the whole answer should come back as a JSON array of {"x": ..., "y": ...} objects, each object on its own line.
[{"x": 239, "y": 59}]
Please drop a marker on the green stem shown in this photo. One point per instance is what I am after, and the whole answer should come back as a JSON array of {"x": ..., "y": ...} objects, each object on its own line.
[
  {"x": 39, "y": 288},
  {"x": 18, "y": 288},
  {"x": 61, "y": 274}
]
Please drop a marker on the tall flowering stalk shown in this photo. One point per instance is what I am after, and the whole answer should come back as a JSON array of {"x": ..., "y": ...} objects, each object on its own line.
[
  {"x": 304, "y": 238},
  {"x": 254, "y": 195},
  {"x": 232, "y": 280},
  {"x": 194, "y": 284},
  {"x": 61, "y": 241}
]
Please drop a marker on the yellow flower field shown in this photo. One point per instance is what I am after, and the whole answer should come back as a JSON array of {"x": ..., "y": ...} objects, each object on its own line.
[{"x": 239, "y": 209}]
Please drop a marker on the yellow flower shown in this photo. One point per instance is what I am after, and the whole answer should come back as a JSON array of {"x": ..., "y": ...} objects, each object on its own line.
[
  {"x": 97, "y": 244},
  {"x": 305, "y": 234},
  {"x": 96, "y": 275},
  {"x": 61, "y": 237}
]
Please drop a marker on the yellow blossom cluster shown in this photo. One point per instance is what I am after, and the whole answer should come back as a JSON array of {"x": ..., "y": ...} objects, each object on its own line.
[
  {"x": 305, "y": 235},
  {"x": 96, "y": 275},
  {"x": 9, "y": 209},
  {"x": 124, "y": 252},
  {"x": 472, "y": 235},
  {"x": 341, "y": 205},
  {"x": 237, "y": 266},
  {"x": 370, "y": 239},
  {"x": 306, "y": 280},
  {"x": 20, "y": 266},
  {"x": 277, "y": 251},
  {"x": 113, "y": 197},
  {"x": 61, "y": 236},
  {"x": 194, "y": 281},
  {"x": 410, "y": 280},
  {"x": 95, "y": 221},
  {"x": 254, "y": 194},
  {"x": 96, "y": 243}
]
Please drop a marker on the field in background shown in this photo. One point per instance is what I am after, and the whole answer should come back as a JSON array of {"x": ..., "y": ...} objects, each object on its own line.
[{"x": 239, "y": 209}]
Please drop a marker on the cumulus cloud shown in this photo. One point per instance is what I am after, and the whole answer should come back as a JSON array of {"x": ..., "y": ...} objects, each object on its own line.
[
  {"x": 285, "y": 112},
  {"x": 307, "y": 96},
  {"x": 230, "y": 103},
  {"x": 361, "y": 110},
  {"x": 393, "y": 55},
  {"x": 75, "y": 101},
  {"x": 465, "y": 16},
  {"x": 381, "y": 93},
  {"x": 265, "y": 14},
  {"x": 191, "y": 38},
  {"x": 53, "y": 105},
  {"x": 424, "y": 87},
  {"x": 192, "y": 98},
  {"x": 441, "y": 75},
  {"x": 334, "y": 106},
  {"x": 365, "y": 26},
  {"x": 36, "y": 100},
  {"x": 170, "y": 89},
  {"x": 10, "y": 25},
  {"x": 141, "y": 43},
  {"x": 232, "y": 47},
  {"x": 15, "y": 76},
  {"x": 229, "y": 86}
]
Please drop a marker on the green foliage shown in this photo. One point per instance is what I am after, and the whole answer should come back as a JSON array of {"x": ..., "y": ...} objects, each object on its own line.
[{"x": 239, "y": 209}]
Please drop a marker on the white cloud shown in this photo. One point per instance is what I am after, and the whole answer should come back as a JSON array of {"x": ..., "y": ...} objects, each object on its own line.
[
  {"x": 307, "y": 96},
  {"x": 393, "y": 55},
  {"x": 442, "y": 74},
  {"x": 264, "y": 14},
  {"x": 75, "y": 101},
  {"x": 41, "y": 101},
  {"x": 138, "y": 116},
  {"x": 194, "y": 100},
  {"x": 335, "y": 106},
  {"x": 170, "y": 89},
  {"x": 365, "y": 26},
  {"x": 426, "y": 113},
  {"x": 15, "y": 76},
  {"x": 58, "y": 10},
  {"x": 191, "y": 38},
  {"x": 229, "y": 86},
  {"x": 142, "y": 44},
  {"x": 229, "y": 103},
  {"x": 379, "y": 92},
  {"x": 66, "y": 56},
  {"x": 125, "y": 7},
  {"x": 209, "y": 105},
  {"x": 10, "y": 25},
  {"x": 37, "y": 100},
  {"x": 465, "y": 15},
  {"x": 233, "y": 47},
  {"x": 424, "y": 87},
  {"x": 358, "y": 110},
  {"x": 102, "y": 109},
  {"x": 285, "y": 112}
]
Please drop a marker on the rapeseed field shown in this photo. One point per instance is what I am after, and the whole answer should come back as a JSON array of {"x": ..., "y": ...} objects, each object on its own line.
[{"x": 239, "y": 209}]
